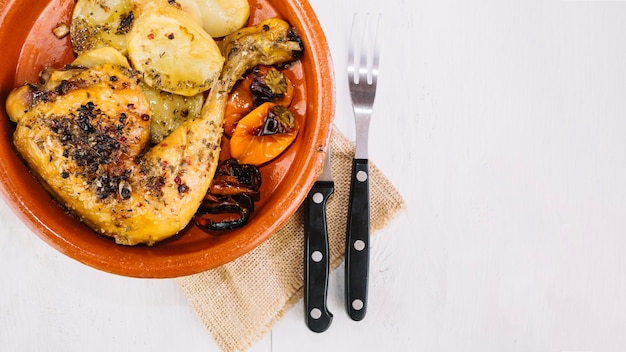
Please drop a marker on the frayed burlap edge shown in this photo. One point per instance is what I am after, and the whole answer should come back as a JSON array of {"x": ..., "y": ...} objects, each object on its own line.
[{"x": 239, "y": 302}]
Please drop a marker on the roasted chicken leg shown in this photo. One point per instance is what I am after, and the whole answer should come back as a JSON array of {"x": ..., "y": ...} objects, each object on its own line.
[{"x": 85, "y": 134}]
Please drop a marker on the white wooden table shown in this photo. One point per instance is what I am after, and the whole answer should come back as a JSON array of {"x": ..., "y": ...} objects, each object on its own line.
[{"x": 502, "y": 123}]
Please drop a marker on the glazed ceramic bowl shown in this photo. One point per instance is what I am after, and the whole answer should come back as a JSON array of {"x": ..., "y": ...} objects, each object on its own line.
[{"x": 28, "y": 46}]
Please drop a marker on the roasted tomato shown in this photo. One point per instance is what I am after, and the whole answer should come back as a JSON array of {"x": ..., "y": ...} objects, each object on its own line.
[
  {"x": 263, "y": 134},
  {"x": 270, "y": 84},
  {"x": 240, "y": 103},
  {"x": 263, "y": 84}
]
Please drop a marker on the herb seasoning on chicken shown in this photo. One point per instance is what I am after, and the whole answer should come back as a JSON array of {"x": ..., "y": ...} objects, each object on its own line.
[{"x": 85, "y": 133}]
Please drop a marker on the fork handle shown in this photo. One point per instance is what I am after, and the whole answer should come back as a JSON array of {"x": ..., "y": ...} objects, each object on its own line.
[
  {"x": 316, "y": 257},
  {"x": 357, "y": 241}
]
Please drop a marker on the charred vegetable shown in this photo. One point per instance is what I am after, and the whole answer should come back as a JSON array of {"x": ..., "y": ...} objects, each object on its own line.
[
  {"x": 240, "y": 103},
  {"x": 230, "y": 200},
  {"x": 263, "y": 134},
  {"x": 270, "y": 84},
  {"x": 263, "y": 84}
]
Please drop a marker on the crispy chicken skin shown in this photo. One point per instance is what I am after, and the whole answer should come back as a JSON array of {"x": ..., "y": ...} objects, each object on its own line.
[
  {"x": 85, "y": 134},
  {"x": 86, "y": 146}
]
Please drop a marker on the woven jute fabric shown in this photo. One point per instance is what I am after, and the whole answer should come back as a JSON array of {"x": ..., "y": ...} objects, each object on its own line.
[{"x": 239, "y": 302}]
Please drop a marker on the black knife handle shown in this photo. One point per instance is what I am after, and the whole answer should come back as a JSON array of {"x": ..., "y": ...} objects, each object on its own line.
[
  {"x": 357, "y": 241},
  {"x": 316, "y": 257}
]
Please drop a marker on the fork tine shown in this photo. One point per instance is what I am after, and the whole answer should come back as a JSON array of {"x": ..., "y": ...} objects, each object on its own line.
[
  {"x": 352, "y": 49},
  {"x": 364, "y": 54},
  {"x": 376, "y": 49},
  {"x": 364, "y": 49}
]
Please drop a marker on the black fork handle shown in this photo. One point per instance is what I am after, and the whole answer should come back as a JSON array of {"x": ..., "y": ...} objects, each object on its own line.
[{"x": 357, "y": 241}]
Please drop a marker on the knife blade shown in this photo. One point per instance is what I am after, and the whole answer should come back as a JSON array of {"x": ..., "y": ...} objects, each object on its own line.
[{"x": 316, "y": 257}]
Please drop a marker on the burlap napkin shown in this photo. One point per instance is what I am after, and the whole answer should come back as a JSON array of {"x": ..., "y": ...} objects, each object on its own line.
[{"x": 239, "y": 302}]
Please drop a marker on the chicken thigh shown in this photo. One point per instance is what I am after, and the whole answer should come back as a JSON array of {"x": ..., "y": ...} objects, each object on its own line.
[{"x": 85, "y": 135}]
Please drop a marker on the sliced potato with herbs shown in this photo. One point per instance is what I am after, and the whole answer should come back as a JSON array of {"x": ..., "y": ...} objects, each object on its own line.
[
  {"x": 192, "y": 8},
  {"x": 169, "y": 111},
  {"x": 171, "y": 50},
  {"x": 222, "y": 17},
  {"x": 99, "y": 56},
  {"x": 100, "y": 23}
]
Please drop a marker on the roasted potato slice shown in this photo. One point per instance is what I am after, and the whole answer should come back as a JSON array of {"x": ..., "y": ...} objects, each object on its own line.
[
  {"x": 218, "y": 17},
  {"x": 99, "y": 56},
  {"x": 223, "y": 17},
  {"x": 191, "y": 7},
  {"x": 101, "y": 23},
  {"x": 172, "y": 51},
  {"x": 169, "y": 111}
]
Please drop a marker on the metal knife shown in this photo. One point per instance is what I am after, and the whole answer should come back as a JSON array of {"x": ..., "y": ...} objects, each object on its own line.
[{"x": 316, "y": 253}]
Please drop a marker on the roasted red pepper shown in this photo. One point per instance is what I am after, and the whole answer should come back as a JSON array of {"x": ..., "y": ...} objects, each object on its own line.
[
  {"x": 263, "y": 134},
  {"x": 240, "y": 103},
  {"x": 262, "y": 84}
]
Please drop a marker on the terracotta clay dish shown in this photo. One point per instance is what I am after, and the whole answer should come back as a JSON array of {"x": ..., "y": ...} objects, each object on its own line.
[{"x": 29, "y": 46}]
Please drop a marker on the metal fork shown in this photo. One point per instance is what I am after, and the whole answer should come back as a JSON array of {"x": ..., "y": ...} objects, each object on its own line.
[{"x": 363, "y": 62}]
